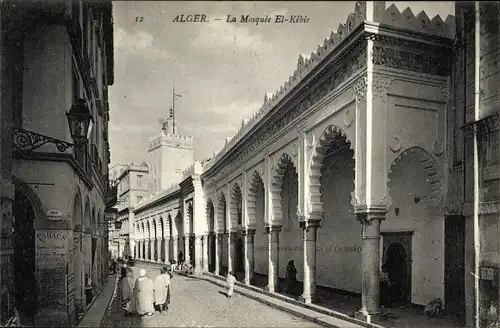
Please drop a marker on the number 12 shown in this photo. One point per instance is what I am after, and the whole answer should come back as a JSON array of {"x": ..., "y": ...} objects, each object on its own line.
[{"x": 139, "y": 19}]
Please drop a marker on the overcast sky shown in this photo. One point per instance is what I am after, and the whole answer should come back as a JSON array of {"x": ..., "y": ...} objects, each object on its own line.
[{"x": 222, "y": 70}]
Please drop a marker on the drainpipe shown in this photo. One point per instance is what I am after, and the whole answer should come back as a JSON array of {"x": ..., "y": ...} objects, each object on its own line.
[{"x": 477, "y": 99}]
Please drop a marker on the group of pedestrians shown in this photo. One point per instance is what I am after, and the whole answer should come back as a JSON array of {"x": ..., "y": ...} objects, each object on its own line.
[{"x": 143, "y": 296}]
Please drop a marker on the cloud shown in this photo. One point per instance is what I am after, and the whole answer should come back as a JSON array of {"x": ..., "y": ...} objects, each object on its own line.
[
  {"x": 140, "y": 43},
  {"x": 219, "y": 34},
  {"x": 131, "y": 127}
]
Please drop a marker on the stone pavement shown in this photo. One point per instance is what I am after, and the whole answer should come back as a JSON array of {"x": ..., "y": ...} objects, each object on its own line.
[
  {"x": 319, "y": 316},
  {"x": 199, "y": 303},
  {"x": 97, "y": 311}
]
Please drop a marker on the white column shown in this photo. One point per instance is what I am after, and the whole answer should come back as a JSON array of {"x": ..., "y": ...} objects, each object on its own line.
[
  {"x": 370, "y": 258},
  {"x": 249, "y": 255},
  {"x": 206, "y": 252},
  {"x": 273, "y": 278},
  {"x": 217, "y": 253},
  {"x": 175, "y": 248},
  {"x": 230, "y": 251},
  {"x": 158, "y": 249},
  {"x": 198, "y": 254},
  {"x": 187, "y": 258},
  {"x": 309, "y": 260},
  {"x": 131, "y": 232}
]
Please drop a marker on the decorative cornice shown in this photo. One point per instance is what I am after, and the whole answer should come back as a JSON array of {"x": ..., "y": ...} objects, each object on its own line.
[
  {"x": 411, "y": 56},
  {"x": 346, "y": 69},
  {"x": 360, "y": 88},
  {"x": 420, "y": 23},
  {"x": 306, "y": 87},
  {"x": 483, "y": 126},
  {"x": 305, "y": 66}
]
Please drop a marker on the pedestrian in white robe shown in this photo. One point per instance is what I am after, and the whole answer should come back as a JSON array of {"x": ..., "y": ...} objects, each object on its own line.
[
  {"x": 161, "y": 288},
  {"x": 231, "y": 280}
]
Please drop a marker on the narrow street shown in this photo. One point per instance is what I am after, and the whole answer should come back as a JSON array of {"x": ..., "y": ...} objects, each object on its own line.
[{"x": 198, "y": 303}]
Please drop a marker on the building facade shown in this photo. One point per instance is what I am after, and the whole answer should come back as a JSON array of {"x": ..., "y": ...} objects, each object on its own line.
[
  {"x": 53, "y": 192},
  {"x": 474, "y": 157},
  {"x": 165, "y": 223},
  {"x": 379, "y": 153},
  {"x": 132, "y": 188}
]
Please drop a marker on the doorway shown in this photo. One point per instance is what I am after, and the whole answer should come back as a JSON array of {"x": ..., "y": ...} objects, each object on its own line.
[
  {"x": 191, "y": 250},
  {"x": 212, "y": 253},
  {"x": 25, "y": 283},
  {"x": 240, "y": 256},
  {"x": 454, "y": 272},
  {"x": 397, "y": 262}
]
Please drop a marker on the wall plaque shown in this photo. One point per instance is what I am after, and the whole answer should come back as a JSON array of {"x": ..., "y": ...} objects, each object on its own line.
[
  {"x": 54, "y": 215},
  {"x": 491, "y": 172}
]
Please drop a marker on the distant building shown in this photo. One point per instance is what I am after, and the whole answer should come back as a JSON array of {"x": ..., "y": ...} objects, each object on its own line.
[
  {"x": 169, "y": 155},
  {"x": 132, "y": 188}
]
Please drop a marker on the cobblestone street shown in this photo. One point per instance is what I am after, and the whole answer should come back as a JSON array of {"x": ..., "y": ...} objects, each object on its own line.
[{"x": 198, "y": 303}]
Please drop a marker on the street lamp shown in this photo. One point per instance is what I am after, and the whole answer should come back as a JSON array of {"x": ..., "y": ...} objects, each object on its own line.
[{"x": 80, "y": 125}]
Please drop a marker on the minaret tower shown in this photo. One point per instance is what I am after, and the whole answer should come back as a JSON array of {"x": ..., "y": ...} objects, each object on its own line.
[
  {"x": 169, "y": 124},
  {"x": 169, "y": 153}
]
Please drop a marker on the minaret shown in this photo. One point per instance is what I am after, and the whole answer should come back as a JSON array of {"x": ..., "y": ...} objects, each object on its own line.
[
  {"x": 169, "y": 153},
  {"x": 169, "y": 124}
]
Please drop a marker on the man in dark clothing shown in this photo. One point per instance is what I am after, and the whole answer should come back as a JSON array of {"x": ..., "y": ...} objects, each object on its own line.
[
  {"x": 124, "y": 270},
  {"x": 181, "y": 259}
]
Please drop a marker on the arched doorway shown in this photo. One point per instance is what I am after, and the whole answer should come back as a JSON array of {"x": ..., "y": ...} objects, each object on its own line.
[
  {"x": 162, "y": 242},
  {"x": 255, "y": 211},
  {"x": 223, "y": 240},
  {"x": 397, "y": 264},
  {"x": 26, "y": 291},
  {"x": 211, "y": 243},
  {"x": 77, "y": 254},
  {"x": 240, "y": 257},
  {"x": 191, "y": 240}
]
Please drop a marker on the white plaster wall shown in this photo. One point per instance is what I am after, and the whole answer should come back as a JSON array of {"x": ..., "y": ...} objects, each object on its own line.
[
  {"x": 261, "y": 247},
  {"x": 407, "y": 181},
  {"x": 338, "y": 248},
  {"x": 154, "y": 164},
  {"x": 291, "y": 235},
  {"x": 173, "y": 162}
]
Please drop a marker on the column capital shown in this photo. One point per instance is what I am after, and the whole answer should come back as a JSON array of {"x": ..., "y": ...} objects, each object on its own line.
[
  {"x": 366, "y": 217},
  {"x": 248, "y": 231},
  {"x": 273, "y": 228},
  {"x": 370, "y": 223},
  {"x": 306, "y": 225}
]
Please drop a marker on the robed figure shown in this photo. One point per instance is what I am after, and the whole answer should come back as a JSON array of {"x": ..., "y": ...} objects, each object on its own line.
[
  {"x": 291, "y": 277},
  {"x": 127, "y": 291},
  {"x": 162, "y": 290},
  {"x": 142, "y": 301}
]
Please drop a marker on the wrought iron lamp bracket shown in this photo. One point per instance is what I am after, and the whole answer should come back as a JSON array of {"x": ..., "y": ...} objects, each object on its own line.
[{"x": 26, "y": 141}]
